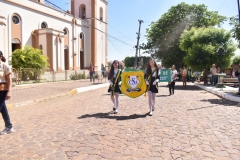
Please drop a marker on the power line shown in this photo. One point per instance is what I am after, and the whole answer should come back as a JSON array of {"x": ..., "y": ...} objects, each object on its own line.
[{"x": 221, "y": 5}]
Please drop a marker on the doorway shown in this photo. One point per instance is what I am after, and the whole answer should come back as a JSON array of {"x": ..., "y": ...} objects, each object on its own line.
[
  {"x": 81, "y": 60},
  {"x": 66, "y": 58},
  {"x": 16, "y": 46}
]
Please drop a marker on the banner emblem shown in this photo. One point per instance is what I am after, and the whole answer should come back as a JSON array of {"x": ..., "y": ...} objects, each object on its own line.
[{"x": 133, "y": 83}]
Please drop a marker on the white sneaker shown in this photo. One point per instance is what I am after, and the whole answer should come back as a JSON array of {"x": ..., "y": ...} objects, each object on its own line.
[
  {"x": 7, "y": 131},
  {"x": 116, "y": 111},
  {"x": 150, "y": 113}
]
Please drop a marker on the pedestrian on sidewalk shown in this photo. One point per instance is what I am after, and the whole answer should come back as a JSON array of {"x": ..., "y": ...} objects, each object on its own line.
[
  {"x": 152, "y": 84},
  {"x": 173, "y": 78},
  {"x": 103, "y": 70},
  {"x": 91, "y": 72},
  {"x": 5, "y": 93},
  {"x": 237, "y": 74},
  {"x": 114, "y": 79},
  {"x": 213, "y": 72},
  {"x": 184, "y": 76}
]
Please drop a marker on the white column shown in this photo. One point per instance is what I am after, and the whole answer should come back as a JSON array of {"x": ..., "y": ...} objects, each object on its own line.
[
  {"x": 54, "y": 54},
  {"x": 62, "y": 54}
]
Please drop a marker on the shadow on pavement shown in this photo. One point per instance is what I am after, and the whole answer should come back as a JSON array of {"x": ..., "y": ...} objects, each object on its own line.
[
  {"x": 221, "y": 101},
  {"x": 110, "y": 116},
  {"x": 187, "y": 88},
  {"x": 162, "y": 95}
]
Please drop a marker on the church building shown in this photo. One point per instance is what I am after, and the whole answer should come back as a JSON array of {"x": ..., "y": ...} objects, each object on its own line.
[{"x": 71, "y": 39}]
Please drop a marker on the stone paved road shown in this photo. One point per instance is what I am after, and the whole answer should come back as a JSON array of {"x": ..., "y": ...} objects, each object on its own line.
[{"x": 192, "y": 124}]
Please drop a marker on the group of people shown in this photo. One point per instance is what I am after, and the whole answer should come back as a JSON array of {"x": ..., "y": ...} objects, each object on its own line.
[
  {"x": 92, "y": 71},
  {"x": 151, "y": 79}
]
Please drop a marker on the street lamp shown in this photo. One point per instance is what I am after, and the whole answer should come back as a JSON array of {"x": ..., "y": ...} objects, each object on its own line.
[{"x": 221, "y": 50}]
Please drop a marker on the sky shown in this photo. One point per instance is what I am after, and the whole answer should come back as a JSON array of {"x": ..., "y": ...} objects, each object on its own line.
[{"x": 123, "y": 16}]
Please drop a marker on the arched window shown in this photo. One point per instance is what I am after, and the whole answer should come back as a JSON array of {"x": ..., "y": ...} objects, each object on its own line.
[
  {"x": 16, "y": 19},
  {"x": 81, "y": 35},
  {"x": 82, "y": 11},
  {"x": 44, "y": 25},
  {"x": 101, "y": 14},
  {"x": 65, "y": 31}
]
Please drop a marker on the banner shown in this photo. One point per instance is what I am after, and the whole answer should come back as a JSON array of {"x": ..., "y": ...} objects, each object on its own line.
[
  {"x": 133, "y": 83},
  {"x": 165, "y": 75}
]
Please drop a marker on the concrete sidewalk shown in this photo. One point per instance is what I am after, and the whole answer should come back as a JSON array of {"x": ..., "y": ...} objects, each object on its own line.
[
  {"x": 227, "y": 92},
  {"x": 30, "y": 93}
]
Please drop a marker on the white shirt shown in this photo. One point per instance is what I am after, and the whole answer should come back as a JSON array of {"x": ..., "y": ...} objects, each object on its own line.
[
  {"x": 4, "y": 70},
  {"x": 115, "y": 73},
  {"x": 155, "y": 73},
  {"x": 173, "y": 73}
]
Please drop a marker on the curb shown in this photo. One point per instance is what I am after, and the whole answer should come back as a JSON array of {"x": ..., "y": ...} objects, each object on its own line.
[
  {"x": 219, "y": 93},
  {"x": 72, "y": 92}
]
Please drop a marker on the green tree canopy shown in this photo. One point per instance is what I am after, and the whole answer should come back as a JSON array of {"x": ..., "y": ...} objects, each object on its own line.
[
  {"x": 203, "y": 47},
  {"x": 234, "y": 21},
  {"x": 129, "y": 61},
  {"x": 163, "y": 35},
  {"x": 29, "y": 58},
  {"x": 236, "y": 60}
]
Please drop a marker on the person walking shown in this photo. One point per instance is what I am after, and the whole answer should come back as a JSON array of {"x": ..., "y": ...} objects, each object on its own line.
[
  {"x": 5, "y": 93},
  {"x": 152, "y": 84},
  {"x": 173, "y": 78},
  {"x": 213, "y": 72},
  {"x": 103, "y": 70},
  {"x": 237, "y": 74},
  {"x": 184, "y": 76},
  {"x": 91, "y": 72},
  {"x": 115, "y": 82}
]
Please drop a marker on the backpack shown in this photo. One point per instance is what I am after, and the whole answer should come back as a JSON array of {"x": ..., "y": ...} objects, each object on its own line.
[{"x": 236, "y": 73}]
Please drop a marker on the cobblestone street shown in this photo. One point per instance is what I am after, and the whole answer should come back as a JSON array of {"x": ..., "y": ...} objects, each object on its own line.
[{"x": 191, "y": 124}]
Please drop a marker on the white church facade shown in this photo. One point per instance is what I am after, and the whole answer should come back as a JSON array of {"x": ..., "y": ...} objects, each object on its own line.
[{"x": 71, "y": 40}]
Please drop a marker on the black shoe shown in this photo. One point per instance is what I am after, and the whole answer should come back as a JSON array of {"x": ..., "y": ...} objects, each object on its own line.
[{"x": 114, "y": 109}]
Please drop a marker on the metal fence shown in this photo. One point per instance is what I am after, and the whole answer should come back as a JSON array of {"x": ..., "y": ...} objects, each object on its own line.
[{"x": 31, "y": 75}]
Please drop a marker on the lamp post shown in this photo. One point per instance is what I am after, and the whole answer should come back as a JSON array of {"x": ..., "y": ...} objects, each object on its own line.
[
  {"x": 238, "y": 10},
  {"x": 221, "y": 50}
]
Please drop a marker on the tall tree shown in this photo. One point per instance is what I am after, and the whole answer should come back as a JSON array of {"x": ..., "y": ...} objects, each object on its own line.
[
  {"x": 205, "y": 46},
  {"x": 234, "y": 21},
  {"x": 163, "y": 35}
]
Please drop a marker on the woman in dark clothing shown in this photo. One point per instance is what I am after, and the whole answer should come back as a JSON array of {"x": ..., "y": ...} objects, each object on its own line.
[
  {"x": 114, "y": 79},
  {"x": 152, "y": 84}
]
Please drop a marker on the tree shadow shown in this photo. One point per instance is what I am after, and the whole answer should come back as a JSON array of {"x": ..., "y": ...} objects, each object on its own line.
[
  {"x": 222, "y": 101},
  {"x": 111, "y": 115},
  {"x": 187, "y": 88}
]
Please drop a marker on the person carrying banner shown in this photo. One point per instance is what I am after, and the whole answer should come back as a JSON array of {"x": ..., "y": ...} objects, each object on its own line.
[
  {"x": 114, "y": 79},
  {"x": 151, "y": 82}
]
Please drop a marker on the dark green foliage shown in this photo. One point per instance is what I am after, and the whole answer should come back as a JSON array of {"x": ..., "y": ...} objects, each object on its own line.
[{"x": 163, "y": 35}]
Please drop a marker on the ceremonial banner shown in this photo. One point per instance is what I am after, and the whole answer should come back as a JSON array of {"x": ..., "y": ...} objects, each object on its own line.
[
  {"x": 133, "y": 83},
  {"x": 165, "y": 75}
]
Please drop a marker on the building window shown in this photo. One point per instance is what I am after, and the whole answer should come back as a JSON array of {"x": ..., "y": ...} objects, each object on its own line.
[
  {"x": 81, "y": 36},
  {"x": 101, "y": 14},
  {"x": 82, "y": 11},
  {"x": 65, "y": 31},
  {"x": 15, "y": 19},
  {"x": 43, "y": 25}
]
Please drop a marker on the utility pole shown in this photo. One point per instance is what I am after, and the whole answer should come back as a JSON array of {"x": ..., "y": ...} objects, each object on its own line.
[
  {"x": 67, "y": 5},
  {"x": 135, "y": 61},
  {"x": 238, "y": 10}
]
